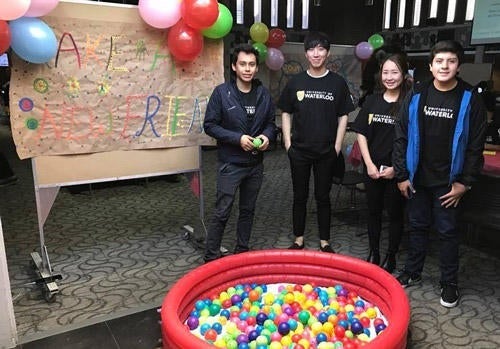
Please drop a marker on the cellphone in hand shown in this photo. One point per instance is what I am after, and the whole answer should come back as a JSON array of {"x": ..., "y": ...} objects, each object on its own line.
[{"x": 382, "y": 167}]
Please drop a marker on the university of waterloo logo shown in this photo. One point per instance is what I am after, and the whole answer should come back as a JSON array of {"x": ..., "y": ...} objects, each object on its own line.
[{"x": 300, "y": 95}]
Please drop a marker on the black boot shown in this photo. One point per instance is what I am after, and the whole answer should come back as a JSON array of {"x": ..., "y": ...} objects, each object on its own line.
[
  {"x": 373, "y": 257},
  {"x": 389, "y": 263}
]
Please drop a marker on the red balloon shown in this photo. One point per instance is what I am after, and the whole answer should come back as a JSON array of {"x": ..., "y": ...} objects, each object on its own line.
[
  {"x": 200, "y": 14},
  {"x": 184, "y": 42},
  {"x": 276, "y": 38},
  {"x": 4, "y": 36}
]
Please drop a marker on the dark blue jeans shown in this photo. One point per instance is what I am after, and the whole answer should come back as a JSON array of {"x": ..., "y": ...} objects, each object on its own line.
[
  {"x": 230, "y": 177},
  {"x": 425, "y": 210},
  {"x": 322, "y": 168}
]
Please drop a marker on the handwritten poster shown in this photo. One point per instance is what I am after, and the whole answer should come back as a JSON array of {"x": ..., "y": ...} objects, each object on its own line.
[{"x": 112, "y": 86}]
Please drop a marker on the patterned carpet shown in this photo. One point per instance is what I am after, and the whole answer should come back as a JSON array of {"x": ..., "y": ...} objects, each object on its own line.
[{"x": 121, "y": 246}]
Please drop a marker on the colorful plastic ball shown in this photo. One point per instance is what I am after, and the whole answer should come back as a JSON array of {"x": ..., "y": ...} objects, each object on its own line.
[
  {"x": 253, "y": 335},
  {"x": 210, "y": 335},
  {"x": 214, "y": 309},
  {"x": 192, "y": 322},
  {"x": 261, "y": 318},
  {"x": 357, "y": 327},
  {"x": 339, "y": 331},
  {"x": 284, "y": 328},
  {"x": 243, "y": 346},
  {"x": 304, "y": 316},
  {"x": 321, "y": 337},
  {"x": 204, "y": 328},
  {"x": 217, "y": 327},
  {"x": 379, "y": 328},
  {"x": 378, "y": 321}
]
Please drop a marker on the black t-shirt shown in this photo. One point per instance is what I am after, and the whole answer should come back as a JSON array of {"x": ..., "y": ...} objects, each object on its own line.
[
  {"x": 438, "y": 126},
  {"x": 376, "y": 123},
  {"x": 316, "y": 104},
  {"x": 493, "y": 133},
  {"x": 249, "y": 102}
]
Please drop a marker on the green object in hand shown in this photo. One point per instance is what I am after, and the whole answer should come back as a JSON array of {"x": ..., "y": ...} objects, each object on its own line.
[{"x": 257, "y": 142}]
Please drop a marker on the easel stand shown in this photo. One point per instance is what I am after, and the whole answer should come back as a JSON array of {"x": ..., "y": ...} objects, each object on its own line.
[{"x": 50, "y": 173}]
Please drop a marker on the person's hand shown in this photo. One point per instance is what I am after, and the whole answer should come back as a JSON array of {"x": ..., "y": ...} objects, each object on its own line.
[
  {"x": 387, "y": 173},
  {"x": 287, "y": 144},
  {"x": 406, "y": 188},
  {"x": 265, "y": 142},
  {"x": 372, "y": 171},
  {"x": 246, "y": 143},
  {"x": 338, "y": 148},
  {"x": 452, "y": 198}
]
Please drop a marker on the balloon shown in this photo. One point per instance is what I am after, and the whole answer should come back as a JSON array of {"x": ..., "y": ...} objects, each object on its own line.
[
  {"x": 262, "y": 49},
  {"x": 222, "y": 25},
  {"x": 184, "y": 42},
  {"x": 200, "y": 14},
  {"x": 363, "y": 50},
  {"x": 160, "y": 13},
  {"x": 259, "y": 32},
  {"x": 376, "y": 40},
  {"x": 40, "y": 7},
  {"x": 13, "y": 9},
  {"x": 275, "y": 59},
  {"x": 33, "y": 40},
  {"x": 4, "y": 36},
  {"x": 277, "y": 37}
]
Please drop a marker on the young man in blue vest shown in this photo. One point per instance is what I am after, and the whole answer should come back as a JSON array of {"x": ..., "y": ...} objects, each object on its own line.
[{"x": 437, "y": 157}]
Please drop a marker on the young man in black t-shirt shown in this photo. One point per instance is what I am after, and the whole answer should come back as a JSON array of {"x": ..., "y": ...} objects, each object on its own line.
[
  {"x": 437, "y": 156},
  {"x": 319, "y": 101}
]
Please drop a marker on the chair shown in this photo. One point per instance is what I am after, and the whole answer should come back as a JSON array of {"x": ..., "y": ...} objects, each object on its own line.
[{"x": 351, "y": 180}]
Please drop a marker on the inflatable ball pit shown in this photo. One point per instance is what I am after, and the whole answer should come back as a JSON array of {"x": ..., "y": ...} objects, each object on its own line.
[{"x": 285, "y": 266}]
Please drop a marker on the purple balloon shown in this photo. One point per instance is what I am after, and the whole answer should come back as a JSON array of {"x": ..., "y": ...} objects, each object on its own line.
[
  {"x": 363, "y": 50},
  {"x": 274, "y": 59}
]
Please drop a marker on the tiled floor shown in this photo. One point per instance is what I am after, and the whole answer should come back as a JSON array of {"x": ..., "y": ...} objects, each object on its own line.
[{"x": 120, "y": 247}]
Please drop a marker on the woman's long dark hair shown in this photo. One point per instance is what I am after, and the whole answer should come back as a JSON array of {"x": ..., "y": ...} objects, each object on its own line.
[{"x": 400, "y": 60}]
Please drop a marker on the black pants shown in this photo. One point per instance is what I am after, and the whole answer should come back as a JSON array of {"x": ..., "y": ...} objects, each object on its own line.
[
  {"x": 322, "y": 168},
  {"x": 380, "y": 194},
  {"x": 5, "y": 170}
]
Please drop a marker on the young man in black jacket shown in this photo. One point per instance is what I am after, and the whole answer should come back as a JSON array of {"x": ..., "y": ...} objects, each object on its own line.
[
  {"x": 437, "y": 156},
  {"x": 240, "y": 116}
]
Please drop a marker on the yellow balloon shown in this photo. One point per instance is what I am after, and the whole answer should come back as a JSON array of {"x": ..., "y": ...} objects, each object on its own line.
[{"x": 259, "y": 32}]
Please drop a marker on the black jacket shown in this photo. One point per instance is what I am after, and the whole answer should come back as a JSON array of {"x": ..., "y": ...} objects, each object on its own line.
[{"x": 226, "y": 120}]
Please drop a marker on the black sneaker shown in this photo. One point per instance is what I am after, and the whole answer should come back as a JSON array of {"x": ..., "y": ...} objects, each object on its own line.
[
  {"x": 406, "y": 279},
  {"x": 449, "y": 295},
  {"x": 327, "y": 249},
  {"x": 296, "y": 246}
]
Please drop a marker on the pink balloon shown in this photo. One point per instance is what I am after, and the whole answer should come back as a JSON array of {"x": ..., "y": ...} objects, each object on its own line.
[
  {"x": 10, "y": 10},
  {"x": 184, "y": 42},
  {"x": 160, "y": 13},
  {"x": 40, "y": 7},
  {"x": 274, "y": 59},
  {"x": 363, "y": 50}
]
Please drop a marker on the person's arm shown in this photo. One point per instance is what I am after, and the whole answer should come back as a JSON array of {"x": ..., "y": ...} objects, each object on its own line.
[
  {"x": 473, "y": 161},
  {"x": 286, "y": 129},
  {"x": 370, "y": 166},
  {"x": 342, "y": 126},
  {"x": 212, "y": 124},
  {"x": 399, "y": 150}
]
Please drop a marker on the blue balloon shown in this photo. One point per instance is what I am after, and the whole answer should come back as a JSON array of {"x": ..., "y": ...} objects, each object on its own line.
[{"x": 33, "y": 40}]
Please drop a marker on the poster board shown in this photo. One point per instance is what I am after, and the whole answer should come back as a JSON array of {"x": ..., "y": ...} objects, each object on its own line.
[{"x": 113, "y": 85}]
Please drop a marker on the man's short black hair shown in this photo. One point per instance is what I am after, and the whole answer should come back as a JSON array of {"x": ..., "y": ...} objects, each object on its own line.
[
  {"x": 247, "y": 48},
  {"x": 447, "y": 46},
  {"x": 314, "y": 39}
]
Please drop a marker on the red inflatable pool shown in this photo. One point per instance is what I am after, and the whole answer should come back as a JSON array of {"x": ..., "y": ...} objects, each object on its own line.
[{"x": 286, "y": 266}]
